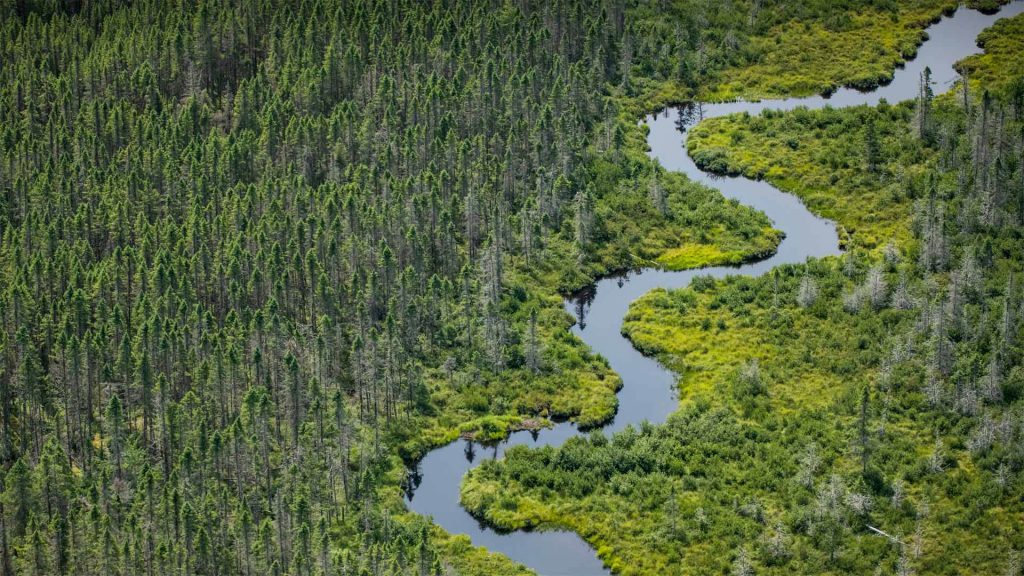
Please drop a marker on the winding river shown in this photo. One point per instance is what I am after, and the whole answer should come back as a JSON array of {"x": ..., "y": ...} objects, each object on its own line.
[{"x": 648, "y": 392}]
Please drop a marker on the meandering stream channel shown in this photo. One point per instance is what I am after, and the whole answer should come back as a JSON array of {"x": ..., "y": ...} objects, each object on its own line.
[{"x": 648, "y": 392}]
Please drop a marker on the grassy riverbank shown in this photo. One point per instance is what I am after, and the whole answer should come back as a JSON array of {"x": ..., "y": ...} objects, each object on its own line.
[
  {"x": 819, "y": 156},
  {"x": 859, "y": 49}
]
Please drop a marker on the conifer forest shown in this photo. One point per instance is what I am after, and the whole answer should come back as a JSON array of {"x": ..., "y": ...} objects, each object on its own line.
[{"x": 511, "y": 287}]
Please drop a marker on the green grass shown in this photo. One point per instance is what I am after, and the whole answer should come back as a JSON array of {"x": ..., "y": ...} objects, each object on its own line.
[
  {"x": 856, "y": 48},
  {"x": 819, "y": 155},
  {"x": 699, "y": 255},
  {"x": 704, "y": 342}
]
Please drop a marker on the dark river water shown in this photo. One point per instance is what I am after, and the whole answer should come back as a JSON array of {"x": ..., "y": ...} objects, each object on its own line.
[{"x": 648, "y": 392}]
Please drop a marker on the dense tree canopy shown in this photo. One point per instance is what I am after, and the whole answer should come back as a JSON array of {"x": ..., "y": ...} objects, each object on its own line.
[
  {"x": 249, "y": 249},
  {"x": 253, "y": 254}
]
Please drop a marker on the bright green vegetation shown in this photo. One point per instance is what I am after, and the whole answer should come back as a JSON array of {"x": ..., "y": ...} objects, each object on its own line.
[
  {"x": 803, "y": 57},
  {"x": 822, "y": 157},
  {"x": 753, "y": 49},
  {"x": 700, "y": 254},
  {"x": 882, "y": 389},
  {"x": 1000, "y": 64},
  {"x": 813, "y": 53},
  {"x": 703, "y": 339}
]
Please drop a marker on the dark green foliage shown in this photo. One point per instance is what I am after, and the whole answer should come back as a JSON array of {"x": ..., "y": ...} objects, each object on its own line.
[
  {"x": 233, "y": 238},
  {"x": 251, "y": 253}
]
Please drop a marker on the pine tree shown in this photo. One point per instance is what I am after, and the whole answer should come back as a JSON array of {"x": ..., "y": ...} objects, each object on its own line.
[
  {"x": 657, "y": 195},
  {"x": 533, "y": 352},
  {"x": 583, "y": 222},
  {"x": 925, "y": 95},
  {"x": 807, "y": 294}
]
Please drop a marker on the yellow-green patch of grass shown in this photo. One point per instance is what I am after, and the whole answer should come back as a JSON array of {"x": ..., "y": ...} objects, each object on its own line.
[
  {"x": 707, "y": 345},
  {"x": 486, "y": 429},
  {"x": 469, "y": 559},
  {"x": 819, "y": 156},
  {"x": 508, "y": 506},
  {"x": 698, "y": 255},
  {"x": 694, "y": 256},
  {"x": 500, "y": 509},
  {"x": 804, "y": 58}
]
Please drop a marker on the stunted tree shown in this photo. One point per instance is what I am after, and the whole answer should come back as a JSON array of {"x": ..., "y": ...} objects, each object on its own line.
[
  {"x": 969, "y": 276},
  {"x": 583, "y": 221},
  {"x": 807, "y": 294},
  {"x": 494, "y": 324},
  {"x": 931, "y": 216},
  {"x": 940, "y": 361},
  {"x": 533, "y": 351},
  {"x": 749, "y": 382},
  {"x": 937, "y": 459},
  {"x": 1009, "y": 317},
  {"x": 992, "y": 382},
  {"x": 829, "y": 523},
  {"x": 657, "y": 193},
  {"x": 1014, "y": 564},
  {"x": 875, "y": 288},
  {"x": 864, "y": 439},
  {"x": 777, "y": 544},
  {"x": 671, "y": 512},
  {"x": 809, "y": 463},
  {"x": 742, "y": 566},
  {"x": 901, "y": 297}
]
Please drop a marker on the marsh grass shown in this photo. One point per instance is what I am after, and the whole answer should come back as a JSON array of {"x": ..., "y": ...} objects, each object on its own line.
[{"x": 819, "y": 155}]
